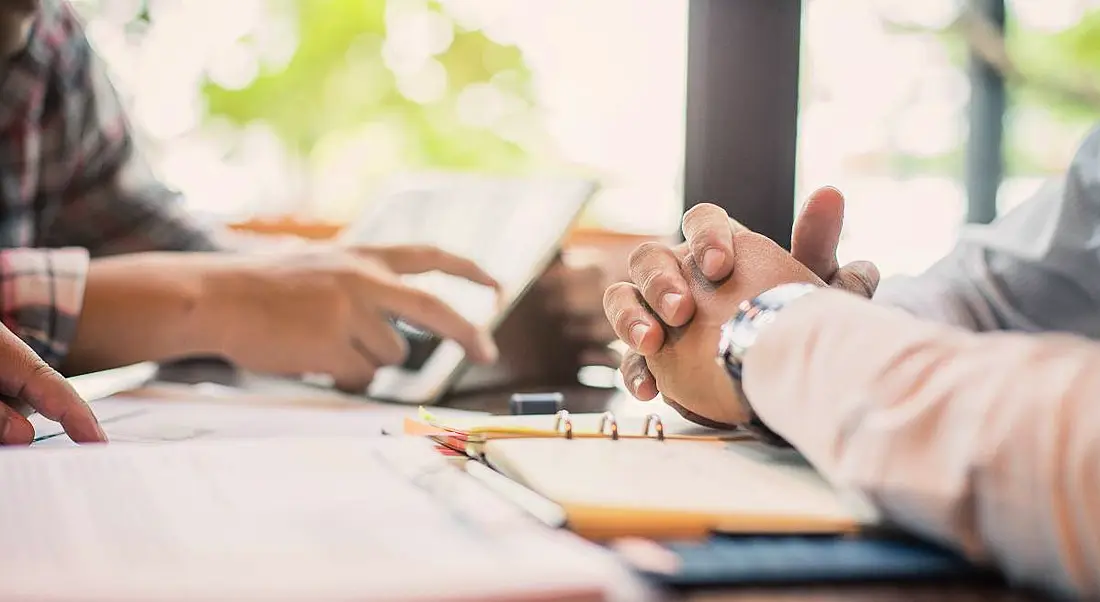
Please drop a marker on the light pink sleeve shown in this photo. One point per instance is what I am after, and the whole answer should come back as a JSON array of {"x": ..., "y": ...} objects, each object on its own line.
[{"x": 987, "y": 442}]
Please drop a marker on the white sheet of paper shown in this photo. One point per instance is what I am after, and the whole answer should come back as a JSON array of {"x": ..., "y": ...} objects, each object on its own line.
[
  {"x": 149, "y": 421},
  {"x": 290, "y": 519}
]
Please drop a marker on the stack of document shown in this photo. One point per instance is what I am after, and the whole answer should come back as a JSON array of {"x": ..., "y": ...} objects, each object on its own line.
[
  {"x": 137, "y": 420},
  {"x": 277, "y": 519}
]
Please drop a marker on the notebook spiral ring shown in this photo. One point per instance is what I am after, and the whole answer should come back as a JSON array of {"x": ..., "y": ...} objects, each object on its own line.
[
  {"x": 658, "y": 427},
  {"x": 608, "y": 418},
  {"x": 562, "y": 419},
  {"x": 652, "y": 428}
]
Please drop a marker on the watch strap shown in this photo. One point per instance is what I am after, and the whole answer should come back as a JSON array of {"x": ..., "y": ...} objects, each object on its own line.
[{"x": 738, "y": 336}]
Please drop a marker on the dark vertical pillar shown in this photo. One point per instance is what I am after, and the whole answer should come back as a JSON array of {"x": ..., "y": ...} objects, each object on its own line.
[
  {"x": 985, "y": 145},
  {"x": 742, "y": 110}
]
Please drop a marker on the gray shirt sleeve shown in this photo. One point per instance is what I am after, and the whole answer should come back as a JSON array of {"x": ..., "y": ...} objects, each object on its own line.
[{"x": 1035, "y": 269}]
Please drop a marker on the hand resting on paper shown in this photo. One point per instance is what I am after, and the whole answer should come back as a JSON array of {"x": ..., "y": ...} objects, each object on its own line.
[{"x": 28, "y": 384}]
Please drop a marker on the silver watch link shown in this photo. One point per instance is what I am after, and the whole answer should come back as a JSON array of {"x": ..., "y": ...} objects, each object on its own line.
[{"x": 738, "y": 336}]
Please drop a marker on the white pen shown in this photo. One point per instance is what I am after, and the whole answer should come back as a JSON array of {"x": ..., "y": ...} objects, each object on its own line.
[{"x": 544, "y": 510}]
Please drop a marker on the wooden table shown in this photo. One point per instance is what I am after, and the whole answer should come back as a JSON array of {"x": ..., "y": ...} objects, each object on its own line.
[{"x": 580, "y": 399}]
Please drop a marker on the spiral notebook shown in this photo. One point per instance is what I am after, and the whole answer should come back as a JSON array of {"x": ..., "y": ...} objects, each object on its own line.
[
  {"x": 468, "y": 433},
  {"x": 654, "y": 480}
]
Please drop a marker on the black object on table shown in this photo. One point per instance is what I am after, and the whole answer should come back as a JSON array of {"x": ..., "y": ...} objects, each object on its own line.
[{"x": 522, "y": 404}]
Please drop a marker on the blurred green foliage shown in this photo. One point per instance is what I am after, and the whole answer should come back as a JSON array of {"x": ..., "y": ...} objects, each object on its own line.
[
  {"x": 1068, "y": 59},
  {"x": 1059, "y": 72},
  {"x": 337, "y": 81},
  {"x": 1059, "y": 81}
]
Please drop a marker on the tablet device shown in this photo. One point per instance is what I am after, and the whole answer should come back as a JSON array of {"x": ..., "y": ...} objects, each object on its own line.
[{"x": 511, "y": 227}]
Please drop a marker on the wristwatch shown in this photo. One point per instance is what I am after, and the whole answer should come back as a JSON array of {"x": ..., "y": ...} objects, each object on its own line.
[{"x": 739, "y": 335}]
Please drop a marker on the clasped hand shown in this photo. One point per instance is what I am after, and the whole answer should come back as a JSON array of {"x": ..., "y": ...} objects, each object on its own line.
[{"x": 670, "y": 312}]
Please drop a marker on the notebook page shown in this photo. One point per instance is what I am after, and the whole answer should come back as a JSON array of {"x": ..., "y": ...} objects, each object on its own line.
[
  {"x": 736, "y": 484},
  {"x": 292, "y": 519}
]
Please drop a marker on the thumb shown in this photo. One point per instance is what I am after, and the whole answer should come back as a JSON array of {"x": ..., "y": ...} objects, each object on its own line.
[
  {"x": 817, "y": 232},
  {"x": 859, "y": 277}
]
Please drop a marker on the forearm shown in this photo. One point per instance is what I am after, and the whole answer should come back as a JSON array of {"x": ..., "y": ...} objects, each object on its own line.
[
  {"x": 144, "y": 307},
  {"x": 986, "y": 442}
]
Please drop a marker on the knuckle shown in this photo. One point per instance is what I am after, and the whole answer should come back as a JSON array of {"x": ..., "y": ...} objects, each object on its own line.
[
  {"x": 866, "y": 284},
  {"x": 643, "y": 252},
  {"x": 701, "y": 242},
  {"x": 612, "y": 297},
  {"x": 703, "y": 219},
  {"x": 855, "y": 282},
  {"x": 620, "y": 304},
  {"x": 40, "y": 371},
  {"x": 650, "y": 264},
  {"x": 748, "y": 239},
  {"x": 623, "y": 322},
  {"x": 655, "y": 281},
  {"x": 699, "y": 212},
  {"x": 703, "y": 237}
]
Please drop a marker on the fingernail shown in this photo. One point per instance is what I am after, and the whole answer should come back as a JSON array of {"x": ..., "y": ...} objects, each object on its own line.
[
  {"x": 712, "y": 262},
  {"x": 5, "y": 431},
  {"x": 637, "y": 383},
  {"x": 637, "y": 333},
  {"x": 670, "y": 302}
]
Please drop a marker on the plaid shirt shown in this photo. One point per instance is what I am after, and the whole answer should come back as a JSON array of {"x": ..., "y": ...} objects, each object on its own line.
[{"x": 71, "y": 184}]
